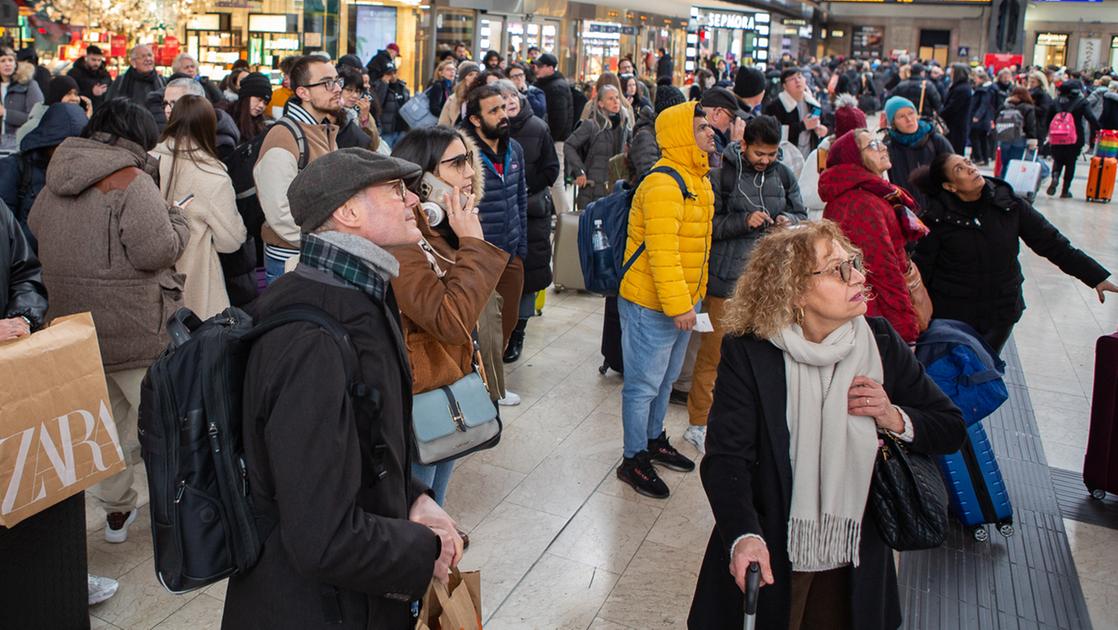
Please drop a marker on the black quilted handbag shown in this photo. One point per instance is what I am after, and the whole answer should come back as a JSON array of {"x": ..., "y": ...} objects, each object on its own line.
[{"x": 908, "y": 497}]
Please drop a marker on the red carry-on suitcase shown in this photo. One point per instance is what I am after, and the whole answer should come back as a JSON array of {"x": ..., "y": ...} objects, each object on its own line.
[
  {"x": 1100, "y": 182},
  {"x": 1100, "y": 464}
]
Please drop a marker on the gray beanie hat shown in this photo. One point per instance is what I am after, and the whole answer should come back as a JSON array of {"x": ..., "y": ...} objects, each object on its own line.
[{"x": 328, "y": 182}]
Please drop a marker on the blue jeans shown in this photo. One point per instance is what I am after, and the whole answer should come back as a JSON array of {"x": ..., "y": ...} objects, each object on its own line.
[
  {"x": 528, "y": 305},
  {"x": 392, "y": 137},
  {"x": 273, "y": 268},
  {"x": 1010, "y": 151},
  {"x": 436, "y": 477},
  {"x": 659, "y": 348}
]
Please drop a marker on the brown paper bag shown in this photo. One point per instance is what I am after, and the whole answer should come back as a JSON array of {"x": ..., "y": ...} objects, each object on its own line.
[
  {"x": 455, "y": 608},
  {"x": 57, "y": 435}
]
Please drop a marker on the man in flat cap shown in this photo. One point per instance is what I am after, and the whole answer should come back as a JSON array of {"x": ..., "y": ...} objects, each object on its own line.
[{"x": 356, "y": 539}]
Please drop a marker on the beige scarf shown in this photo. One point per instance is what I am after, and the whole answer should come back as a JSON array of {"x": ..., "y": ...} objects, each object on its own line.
[{"x": 832, "y": 452}]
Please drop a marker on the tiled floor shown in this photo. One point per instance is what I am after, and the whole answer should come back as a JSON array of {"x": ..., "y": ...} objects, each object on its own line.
[{"x": 562, "y": 544}]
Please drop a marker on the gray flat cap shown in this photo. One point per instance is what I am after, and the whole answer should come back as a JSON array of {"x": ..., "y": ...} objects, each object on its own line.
[{"x": 328, "y": 182}]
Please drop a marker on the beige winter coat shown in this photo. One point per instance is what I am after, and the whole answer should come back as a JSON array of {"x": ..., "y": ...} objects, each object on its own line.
[{"x": 215, "y": 225}]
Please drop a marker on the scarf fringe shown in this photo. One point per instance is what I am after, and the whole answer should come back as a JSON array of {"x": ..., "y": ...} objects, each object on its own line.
[{"x": 832, "y": 542}]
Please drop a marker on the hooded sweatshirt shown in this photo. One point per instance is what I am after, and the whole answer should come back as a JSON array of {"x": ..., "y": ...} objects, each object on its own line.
[
  {"x": 108, "y": 243},
  {"x": 670, "y": 276}
]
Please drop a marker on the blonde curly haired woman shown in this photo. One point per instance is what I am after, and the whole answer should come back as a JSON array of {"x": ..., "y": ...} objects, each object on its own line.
[{"x": 802, "y": 367}]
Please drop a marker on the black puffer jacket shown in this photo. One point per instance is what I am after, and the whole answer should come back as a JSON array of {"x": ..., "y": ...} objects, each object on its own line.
[
  {"x": 504, "y": 206},
  {"x": 388, "y": 98},
  {"x": 1086, "y": 125},
  {"x": 956, "y": 113},
  {"x": 739, "y": 191},
  {"x": 560, "y": 111},
  {"x": 911, "y": 89},
  {"x": 908, "y": 159},
  {"x": 1044, "y": 103},
  {"x": 22, "y": 292},
  {"x": 1109, "y": 118},
  {"x": 969, "y": 261},
  {"x": 541, "y": 168},
  {"x": 590, "y": 148}
]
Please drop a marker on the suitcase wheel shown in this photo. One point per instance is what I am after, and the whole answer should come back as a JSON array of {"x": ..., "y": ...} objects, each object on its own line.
[
  {"x": 980, "y": 534},
  {"x": 1005, "y": 529},
  {"x": 603, "y": 368},
  {"x": 1098, "y": 494}
]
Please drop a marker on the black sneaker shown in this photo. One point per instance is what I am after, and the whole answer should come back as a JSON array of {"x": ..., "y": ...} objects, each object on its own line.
[
  {"x": 1065, "y": 195},
  {"x": 639, "y": 473},
  {"x": 1052, "y": 188},
  {"x": 678, "y": 398},
  {"x": 660, "y": 451}
]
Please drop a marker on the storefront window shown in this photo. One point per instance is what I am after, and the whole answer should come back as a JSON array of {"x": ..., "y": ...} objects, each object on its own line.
[
  {"x": 453, "y": 28},
  {"x": 489, "y": 33},
  {"x": 737, "y": 37},
  {"x": 601, "y": 46},
  {"x": 213, "y": 43},
  {"x": 1051, "y": 49},
  {"x": 374, "y": 28},
  {"x": 271, "y": 37},
  {"x": 523, "y": 35},
  {"x": 1114, "y": 52}
]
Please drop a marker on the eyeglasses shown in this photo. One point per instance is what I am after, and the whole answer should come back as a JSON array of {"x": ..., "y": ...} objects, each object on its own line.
[
  {"x": 399, "y": 189},
  {"x": 876, "y": 145},
  {"x": 460, "y": 161},
  {"x": 843, "y": 269},
  {"x": 169, "y": 104},
  {"x": 329, "y": 83},
  {"x": 518, "y": 75}
]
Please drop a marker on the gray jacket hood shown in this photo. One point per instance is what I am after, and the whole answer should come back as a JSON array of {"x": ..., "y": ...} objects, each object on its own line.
[{"x": 79, "y": 163}]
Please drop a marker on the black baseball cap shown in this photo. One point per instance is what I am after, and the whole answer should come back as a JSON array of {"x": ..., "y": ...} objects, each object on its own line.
[
  {"x": 547, "y": 59},
  {"x": 723, "y": 98}
]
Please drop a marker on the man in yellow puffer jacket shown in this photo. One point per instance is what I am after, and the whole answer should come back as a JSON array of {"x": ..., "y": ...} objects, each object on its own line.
[{"x": 661, "y": 292}]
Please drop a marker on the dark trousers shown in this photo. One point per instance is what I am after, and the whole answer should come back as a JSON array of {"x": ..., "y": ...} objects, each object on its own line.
[
  {"x": 510, "y": 286},
  {"x": 980, "y": 145},
  {"x": 1064, "y": 158},
  {"x": 821, "y": 600}
]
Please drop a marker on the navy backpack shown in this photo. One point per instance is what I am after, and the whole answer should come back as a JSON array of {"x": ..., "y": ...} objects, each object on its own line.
[
  {"x": 613, "y": 211},
  {"x": 964, "y": 366}
]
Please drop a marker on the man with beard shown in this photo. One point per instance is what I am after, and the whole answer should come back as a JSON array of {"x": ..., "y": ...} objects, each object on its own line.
[
  {"x": 317, "y": 100},
  {"x": 92, "y": 77},
  {"x": 139, "y": 80},
  {"x": 504, "y": 206}
]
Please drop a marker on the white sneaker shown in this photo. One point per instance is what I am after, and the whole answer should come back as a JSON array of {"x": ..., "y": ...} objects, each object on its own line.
[
  {"x": 119, "y": 533},
  {"x": 511, "y": 399},
  {"x": 697, "y": 436},
  {"x": 100, "y": 588}
]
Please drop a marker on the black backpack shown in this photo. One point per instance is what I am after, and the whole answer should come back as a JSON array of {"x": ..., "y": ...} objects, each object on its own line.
[{"x": 203, "y": 521}]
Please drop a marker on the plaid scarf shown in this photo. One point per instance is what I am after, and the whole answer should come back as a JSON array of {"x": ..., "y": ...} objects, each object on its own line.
[{"x": 318, "y": 253}]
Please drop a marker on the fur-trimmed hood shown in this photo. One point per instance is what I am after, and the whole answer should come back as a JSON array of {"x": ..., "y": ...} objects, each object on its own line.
[{"x": 24, "y": 74}]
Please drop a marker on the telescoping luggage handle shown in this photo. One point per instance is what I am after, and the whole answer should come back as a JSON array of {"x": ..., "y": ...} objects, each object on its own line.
[{"x": 752, "y": 591}]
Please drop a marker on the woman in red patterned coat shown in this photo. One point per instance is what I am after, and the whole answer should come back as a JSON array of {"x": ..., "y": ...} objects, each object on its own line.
[{"x": 878, "y": 217}]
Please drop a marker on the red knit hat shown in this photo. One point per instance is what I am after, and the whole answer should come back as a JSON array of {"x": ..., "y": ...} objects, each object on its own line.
[
  {"x": 848, "y": 119},
  {"x": 844, "y": 151}
]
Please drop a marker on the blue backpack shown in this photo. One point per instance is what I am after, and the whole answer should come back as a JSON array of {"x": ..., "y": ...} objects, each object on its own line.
[
  {"x": 964, "y": 366},
  {"x": 602, "y": 273}
]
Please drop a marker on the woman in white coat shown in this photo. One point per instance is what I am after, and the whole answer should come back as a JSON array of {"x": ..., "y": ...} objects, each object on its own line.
[{"x": 188, "y": 164}]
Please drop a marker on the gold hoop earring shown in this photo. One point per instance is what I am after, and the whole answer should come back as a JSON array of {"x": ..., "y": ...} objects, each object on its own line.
[{"x": 798, "y": 315}]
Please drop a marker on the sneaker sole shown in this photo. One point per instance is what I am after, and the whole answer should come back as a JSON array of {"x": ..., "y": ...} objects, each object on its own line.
[
  {"x": 117, "y": 536},
  {"x": 103, "y": 597},
  {"x": 641, "y": 491},
  {"x": 674, "y": 467}
]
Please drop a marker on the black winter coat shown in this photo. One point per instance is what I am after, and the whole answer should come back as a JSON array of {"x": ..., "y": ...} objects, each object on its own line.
[
  {"x": 135, "y": 87},
  {"x": 1044, "y": 103},
  {"x": 560, "y": 111},
  {"x": 504, "y": 206},
  {"x": 1109, "y": 117},
  {"x": 1028, "y": 114},
  {"x": 747, "y": 475},
  {"x": 342, "y": 535},
  {"x": 911, "y": 88},
  {"x": 665, "y": 67},
  {"x": 908, "y": 159},
  {"x": 956, "y": 113},
  {"x": 739, "y": 191},
  {"x": 983, "y": 108},
  {"x": 1086, "y": 125},
  {"x": 22, "y": 292},
  {"x": 87, "y": 78},
  {"x": 437, "y": 93},
  {"x": 541, "y": 168},
  {"x": 970, "y": 260},
  {"x": 388, "y": 98}
]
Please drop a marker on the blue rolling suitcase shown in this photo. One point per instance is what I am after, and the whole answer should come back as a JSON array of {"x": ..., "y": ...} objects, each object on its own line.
[{"x": 975, "y": 486}]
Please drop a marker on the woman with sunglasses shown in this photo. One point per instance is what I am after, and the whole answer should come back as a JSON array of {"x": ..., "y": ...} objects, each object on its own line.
[
  {"x": 806, "y": 385},
  {"x": 969, "y": 260},
  {"x": 446, "y": 279},
  {"x": 878, "y": 218}
]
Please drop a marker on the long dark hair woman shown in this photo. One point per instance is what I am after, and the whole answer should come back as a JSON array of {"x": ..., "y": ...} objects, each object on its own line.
[
  {"x": 969, "y": 259},
  {"x": 188, "y": 164},
  {"x": 447, "y": 279},
  {"x": 957, "y": 106},
  {"x": 248, "y": 111},
  {"x": 806, "y": 384}
]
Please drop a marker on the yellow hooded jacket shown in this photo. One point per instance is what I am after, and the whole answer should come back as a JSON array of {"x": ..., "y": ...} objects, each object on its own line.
[{"x": 671, "y": 275}]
